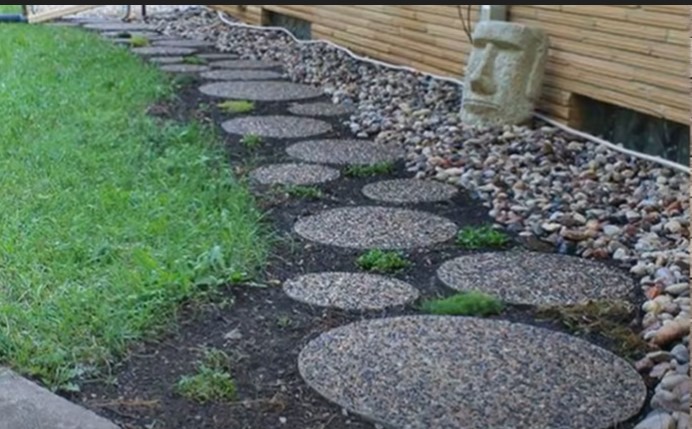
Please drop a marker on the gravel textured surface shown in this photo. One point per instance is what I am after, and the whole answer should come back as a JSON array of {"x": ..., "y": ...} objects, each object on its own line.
[
  {"x": 344, "y": 151},
  {"x": 163, "y": 50},
  {"x": 184, "y": 43},
  {"x": 425, "y": 372},
  {"x": 350, "y": 291},
  {"x": 276, "y": 126},
  {"x": 409, "y": 191},
  {"x": 320, "y": 109},
  {"x": 245, "y": 64},
  {"x": 375, "y": 228},
  {"x": 241, "y": 75},
  {"x": 260, "y": 91},
  {"x": 184, "y": 68},
  {"x": 536, "y": 278},
  {"x": 294, "y": 174},
  {"x": 119, "y": 26},
  {"x": 166, "y": 60}
]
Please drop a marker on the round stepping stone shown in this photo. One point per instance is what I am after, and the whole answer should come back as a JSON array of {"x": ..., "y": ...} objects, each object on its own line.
[
  {"x": 150, "y": 35},
  {"x": 409, "y": 191},
  {"x": 163, "y": 50},
  {"x": 184, "y": 68},
  {"x": 535, "y": 278},
  {"x": 246, "y": 64},
  {"x": 119, "y": 26},
  {"x": 218, "y": 56},
  {"x": 294, "y": 174},
  {"x": 184, "y": 43},
  {"x": 241, "y": 75},
  {"x": 261, "y": 91},
  {"x": 375, "y": 228},
  {"x": 166, "y": 60},
  {"x": 276, "y": 126},
  {"x": 443, "y": 372},
  {"x": 346, "y": 151},
  {"x": 320, "y": 109},
  {"x": 350, "y": 291}
]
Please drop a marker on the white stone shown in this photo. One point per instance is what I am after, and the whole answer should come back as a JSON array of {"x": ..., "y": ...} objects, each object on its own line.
[{"x": 657, "y": 420}]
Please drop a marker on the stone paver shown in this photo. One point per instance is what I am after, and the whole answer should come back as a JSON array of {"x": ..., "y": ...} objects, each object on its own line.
[
  {"x": 149, "y": 35},
  {"x": 294, "y": 174},
  {"x": 246, "y": 64},
  {"x": 344, "y": 152},
  {"x": 409, "y": 191},
  {"x": 375, "y": 228},
  {"x": 241, "y": 75},
  {"x": 184, "y": 68},
  {"x": 163, "y": 51},
  {"x": 321, "y": 108},
  {"x": 119, "y": 26},
  {"x": 260, "y": 91},
  {"x": 422, "y": 372},
  {"x": 535, "y": 278},
  {"x": 218, "y": 56},
  {"x": 25, "y": 405},
  {"x": 276, "y": 126},
  {"x": 166, "y": 60},
  {"x": 184, "y": 43},
  {"x": 350, "y": 291}
]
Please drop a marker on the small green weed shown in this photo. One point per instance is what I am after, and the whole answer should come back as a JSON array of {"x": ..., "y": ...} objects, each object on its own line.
[
  {"x": 304, "y": 192},
  {"x": 194, "y": 60},
  {"x": 481, "y": 237},
  {"x": 464, "y": 304},
  {"x": 369, "y": 170},
  {"x": 237, "y": 106},
  {"x": 382, "y": 262},
  {"x": 284, "y": 322},
  {"x": 212, "y": 382},
  {"x": 139, "y": 41},
  {"x": 251, "y": 141}
]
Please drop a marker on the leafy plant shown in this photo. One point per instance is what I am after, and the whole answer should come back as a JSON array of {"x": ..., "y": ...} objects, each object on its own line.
[
  {"x": 237, "y": 106},
  {"x": 211, "y": 382},
  {"x": 382, "y": 261},
  {"x": 464, "y": 304},
  {"x": 194, "y": 60},
  {"x": 369, "y": 170},
  {"x": 481, "y": 237},
  {"x": 251, "y": 141},
  {"x": 139, "y": 41},
  {"x": 306, "y": 192}
]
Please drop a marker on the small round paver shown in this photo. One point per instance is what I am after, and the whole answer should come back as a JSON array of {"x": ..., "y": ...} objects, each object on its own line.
[
  {"x": 119, "y": 26},
  {"x": 276, "y": 126},
  {"x": 241, "y": 75},
  {"x": 218, "y": 56},
  {"x": 246, "y": 64},
  {"x": 344, "y": 152},
  {"x": 166, "y": 60},
  {"x": 184, "y": 68},
  {"x": 535, "y": 278},
  {"x": 320, "y": 109},
  {"x": 375, "y": 228},
  {"x": 163, "y": 50},
  {"x": 184, "y": 43},
  {"x": 294, "y": 174},
  {"x": 260, "y": 91},
  {"x": 350, "y": 291},
  {"x": 409, "y": 191},
  {"x": 444, "y": 372}
]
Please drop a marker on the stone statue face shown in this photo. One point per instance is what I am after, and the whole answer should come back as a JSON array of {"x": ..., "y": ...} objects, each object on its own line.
[{"x": 504, "y": 73}]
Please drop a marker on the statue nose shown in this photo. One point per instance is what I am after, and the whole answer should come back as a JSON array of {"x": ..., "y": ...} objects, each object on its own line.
[{"x": 481, "y": 78}]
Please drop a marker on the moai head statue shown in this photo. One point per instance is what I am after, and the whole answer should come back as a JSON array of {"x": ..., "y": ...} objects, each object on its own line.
[{"x": 504, "y": 73}]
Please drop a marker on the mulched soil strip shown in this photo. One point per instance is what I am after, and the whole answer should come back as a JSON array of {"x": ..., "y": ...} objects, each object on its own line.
[
  {"x": 320, "y": 109},
  {"x": 241, "y": 75},
  {"x": 536, "y": 278},
  {"x": 375, "y": 228},
  {"x": 350, "y": 291},
  {"x": 163, "y": 50},
  {"x": 276, "y": 126},
  {"x": 184, "y": 68},
  {"x": 409, "y": 191},
  {"x": 261, "y": 91},
  {"x": 344, "y": 151},
  {"x": 245, "y": 64},
  {"x": 426, "y": 372},
  {"x": 184, "y": 43},
  {"x": 294, "y": 174}
]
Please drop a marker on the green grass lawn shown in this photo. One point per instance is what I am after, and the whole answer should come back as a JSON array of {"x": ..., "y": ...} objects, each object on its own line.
[
  {"x": 10, "y": 8},
  {"x": 108, "y": 219}
]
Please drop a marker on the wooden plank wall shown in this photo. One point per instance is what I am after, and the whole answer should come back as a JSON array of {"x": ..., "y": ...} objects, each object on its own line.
[{"x": 635, "y": 56}]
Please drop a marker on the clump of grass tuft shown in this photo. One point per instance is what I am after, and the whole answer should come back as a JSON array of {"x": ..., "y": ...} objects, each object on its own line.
[
  {"x": 369, "y": 170},
  {"x": 481, "y": 237},
  {"x": 139, "y": 41},
  {"x": 237, "y": 106},
  {"x": 212, "y": 382},
  {"x": 194, "y": 60},
  {"x": 251, "y": 141},
  {"x": 382, "y": 261},
  {"x": 304, "y": 192},
  {"x": 464, "y": 304}
]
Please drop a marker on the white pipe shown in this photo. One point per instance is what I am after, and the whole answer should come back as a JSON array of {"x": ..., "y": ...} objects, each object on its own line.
[{"x": 552, "y": 122}]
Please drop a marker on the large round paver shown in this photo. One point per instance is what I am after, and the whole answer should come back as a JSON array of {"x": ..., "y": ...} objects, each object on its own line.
[
  {"x": 350, "y": 291},
  {"x": 163, "y": 50},
  {"x": 241, "y": 75},
  {"x": 443, "y": 372},
  {"x": 375, "y": 228},
  {"x": 184, "y": 43},
  {"x": 149, "y": 35},
  {"x": 347, "y": 151},
  {"x": 294, "y": 174},
  {"x": 246, "y": 64},
  {"x": 218, "y": 56},
  {"x": 166, "y": 60},
  {"x": 260, "y": 91},
  {"x": 409, "y": 191},
  {"x": 276, "y": 126},
  {"x": 119, "y": 26},
  {"x": 321, "y": 108},
  {"x": 184, "y": 68},
  {"x": 535, "y": 278}
]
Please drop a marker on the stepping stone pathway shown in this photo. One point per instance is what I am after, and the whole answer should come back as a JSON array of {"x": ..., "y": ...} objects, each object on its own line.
[
  {"x": 409, "y": 191},
  {"x": 241, "y": 75},
  {"x": 422, "y": 372},
  {"x": 150, "y": 35},
  {"x": 184, "y": 68},
  {"x": 246, "y": 64},
  {"x": 218, "y": 56},
  {"x": 184, "y": 43},
  {"x": 375, "y": 228},
  {"x": 276, "y": 126},
  {"x": 119, "y": 26},
  {"x": 535, "y": 278},
  {"x": 320, "y": 109},
  {"x": 350, "y": 291},
  {"x": 166, "y": 60},
  {"x": 344, "y": 151},
  {"x": 163, "y": 50},
  {"x": 294, "y": 174},
  {"x": 261, "y": 91}
]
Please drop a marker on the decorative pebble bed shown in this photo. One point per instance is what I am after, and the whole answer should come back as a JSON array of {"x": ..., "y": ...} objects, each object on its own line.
[
  {"x": 241, "y": 75},
  {"x": 245, "y": 64},
  {"x": 375, "y": 228},
  {"x": 294, "y": 174},
  {"x": 409, "y": 191},
  {"x": 533, "y": 278},
  {"x": 344, "y": 151},
  {"x": 260, "y": 91},
  {"x": 184, "y": 68},
  {"x": 276, "y": 126},
  {"x": 163, "y": 51},
  {"x": 423, "y": 372},
  {"x": 350, "y": 291},
  {"x": 320, "y": 109}
]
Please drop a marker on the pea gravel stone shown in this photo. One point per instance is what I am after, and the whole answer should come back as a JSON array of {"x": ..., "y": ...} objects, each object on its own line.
[
  {"x": 218, "y": 56},
  {"x": 119, "y": 26},
  {"x": 320, "y": 109},
  {"x": 166, "y": 60},
  {"x": 163, "y": 50},
  {"x": 375, "y": 228},
  {"x": 261, "y": 91},
  {"x": 409, "y": 191},
  {"x": 184, "y": 43},
  {"x": 276, "y": 126},
  {"x": 346, "y": 151},
  {"x": 184, "y": 68},
  {"x": 246, "y": 64},
  {"x": 350, "y": 291},
  {"x": 535, "y": 278},
  {"x": 294, "y": 174},
  {"x": 241, "y": 75},
  {"x": 442, "y": 372}
]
